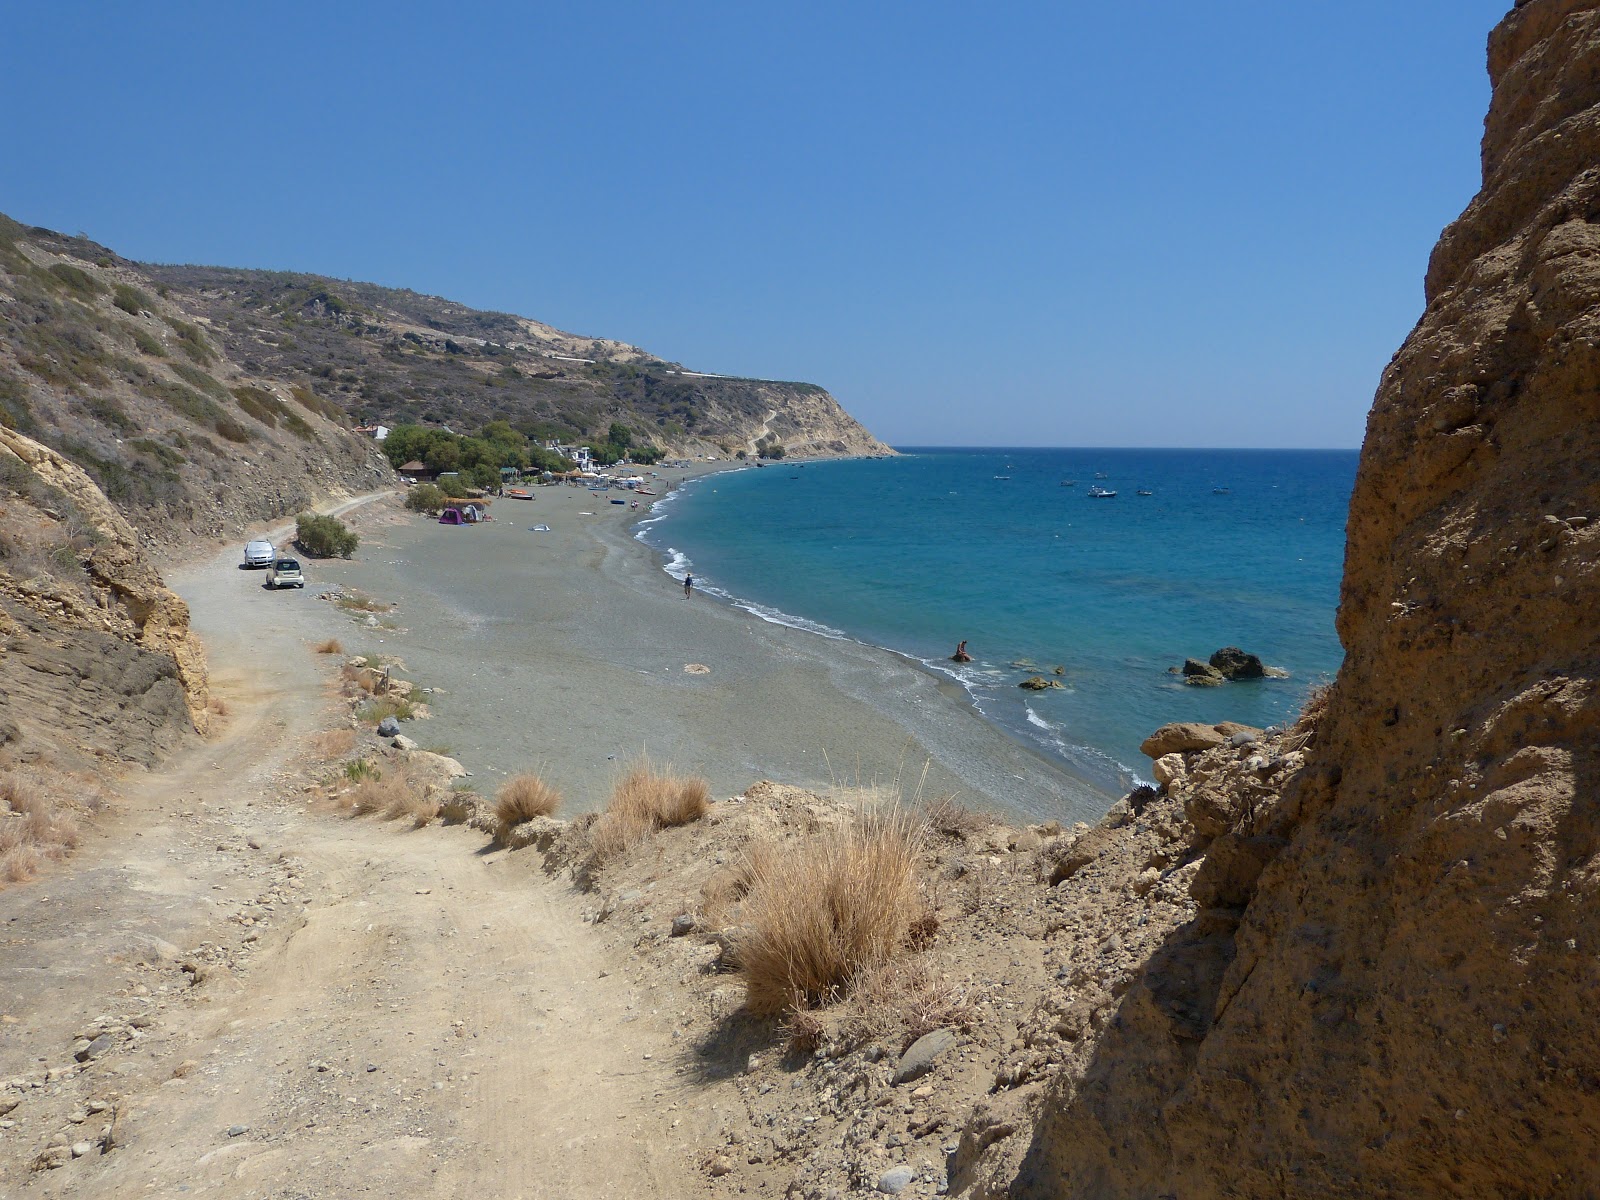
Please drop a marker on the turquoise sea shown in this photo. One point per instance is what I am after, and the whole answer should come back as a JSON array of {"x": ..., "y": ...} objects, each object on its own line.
[{"x": 917, "y": 553}]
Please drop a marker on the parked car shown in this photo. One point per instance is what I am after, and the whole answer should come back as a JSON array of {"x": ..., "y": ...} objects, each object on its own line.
[
  {"x": 285, "y": 572},
  {"x": 259, "y": 553}
]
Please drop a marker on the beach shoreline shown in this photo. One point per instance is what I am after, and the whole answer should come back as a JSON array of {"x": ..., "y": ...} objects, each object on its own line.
[{"x": 573, "y": 651}]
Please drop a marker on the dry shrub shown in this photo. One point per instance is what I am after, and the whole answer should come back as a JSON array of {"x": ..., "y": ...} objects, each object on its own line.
[
  {"x": 803, "y": 1030},
  {"x": 825, "y": 908},
  {"x": 334, "y": 743},
  {"x": 950, "y": 818},
  {"x": 217, "y": 705},
  {"x": 645, "y": 800},
  {"x": 522, "y": 798},
  {"x": 902, "y": 999},
  {"x": 331, "y": 646},
  {"x": 1304, "y": 731}
]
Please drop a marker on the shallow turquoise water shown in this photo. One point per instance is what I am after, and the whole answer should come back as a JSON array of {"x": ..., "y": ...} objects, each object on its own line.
[{"x": 919, "y": 552}]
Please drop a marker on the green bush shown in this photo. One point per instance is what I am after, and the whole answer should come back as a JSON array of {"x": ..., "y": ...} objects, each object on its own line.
[
  {"x": 77, "y": 280},
  {"x": 131, "y": 300},
  {"x": 324, "y": 537},
  {"x": 192, "y": 340},
  {"x": 425, "y": 498},
  {"x": 259, "y": 403},
  {"x": 147, "y": 342},
  {"x": 196, "y": 378}
]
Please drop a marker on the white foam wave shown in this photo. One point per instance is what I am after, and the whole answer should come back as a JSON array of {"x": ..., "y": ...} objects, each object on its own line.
[{"x": 774, "y": 616}]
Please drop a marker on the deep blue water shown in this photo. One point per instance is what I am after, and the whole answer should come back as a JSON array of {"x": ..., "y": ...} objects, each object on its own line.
[{"x": 919, "y": 552}]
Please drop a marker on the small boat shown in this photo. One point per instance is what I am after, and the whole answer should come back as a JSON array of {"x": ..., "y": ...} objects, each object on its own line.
[
  {"x": 1100, "y": 493},
  {"x": 540, "y": 529},
  {"x": 1221, "y": 491},
  {"x": 617, "y": 501},
  {"x": 517, "y": 494},
  {"x": 1069, "y": 483},
  {"x": 642, "y": 491},
  {"x": 1101, "y": 475},
  {"x": 1146, "y": 492}
]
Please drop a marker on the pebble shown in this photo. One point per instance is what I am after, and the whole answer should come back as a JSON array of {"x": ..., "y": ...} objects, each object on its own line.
[
  {"x": 238, "y": 1130},
  {"x": 79, "y": 1149}
]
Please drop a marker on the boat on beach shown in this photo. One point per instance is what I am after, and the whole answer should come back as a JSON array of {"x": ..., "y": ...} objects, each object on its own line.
[{"x": 517, "y": 494}]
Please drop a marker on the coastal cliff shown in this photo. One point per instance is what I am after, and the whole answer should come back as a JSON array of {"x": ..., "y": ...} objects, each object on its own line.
[{"x": 1385, "y": 985}]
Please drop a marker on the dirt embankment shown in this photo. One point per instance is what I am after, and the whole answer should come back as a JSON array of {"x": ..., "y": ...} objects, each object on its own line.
[{"x": 98, "y": 667}]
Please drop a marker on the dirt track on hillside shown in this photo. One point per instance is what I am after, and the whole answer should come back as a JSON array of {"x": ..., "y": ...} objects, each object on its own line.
[{"x": 296, "y": 1004}]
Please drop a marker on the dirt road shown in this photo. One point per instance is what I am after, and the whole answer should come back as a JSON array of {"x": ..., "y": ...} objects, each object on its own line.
[{"x": 272, "y": 1002}]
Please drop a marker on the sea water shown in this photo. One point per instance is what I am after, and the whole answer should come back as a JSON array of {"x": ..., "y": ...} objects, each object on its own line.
[{"x": 1007, "y": 550}]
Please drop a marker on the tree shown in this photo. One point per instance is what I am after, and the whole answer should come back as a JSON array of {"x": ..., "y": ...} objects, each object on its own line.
[
  {"x": 425, "y": 498},
  {"x": 324, "y": 537},
  {"x": 620, "y": 435}
]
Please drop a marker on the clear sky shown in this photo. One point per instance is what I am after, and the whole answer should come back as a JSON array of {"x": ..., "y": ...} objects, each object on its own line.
[{"x": 1153, "y": 222}]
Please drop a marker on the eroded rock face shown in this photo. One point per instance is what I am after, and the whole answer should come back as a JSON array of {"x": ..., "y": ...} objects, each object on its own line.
[
  {"x": 1411, "y": 927},
  {"x": 110, "y": 665}
]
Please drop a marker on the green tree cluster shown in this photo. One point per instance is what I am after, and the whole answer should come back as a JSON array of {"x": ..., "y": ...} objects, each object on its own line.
[
  {"x": 477, "y": 458},
  {"x": 619, "y": 445}
]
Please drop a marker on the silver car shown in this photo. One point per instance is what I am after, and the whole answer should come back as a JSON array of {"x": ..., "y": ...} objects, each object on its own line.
[
  {"x": 259, "y": 553},
  {"x": 285, "y": 572}
]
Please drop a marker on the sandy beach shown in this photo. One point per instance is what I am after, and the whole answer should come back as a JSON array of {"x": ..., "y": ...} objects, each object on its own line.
[{"x": 571, "y": 651}]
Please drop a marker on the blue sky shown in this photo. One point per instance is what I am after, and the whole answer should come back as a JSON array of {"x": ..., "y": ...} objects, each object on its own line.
[{"x": 1148, "y": 223}]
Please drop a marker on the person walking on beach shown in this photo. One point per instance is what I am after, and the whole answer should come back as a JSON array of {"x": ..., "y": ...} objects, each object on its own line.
[{"x": 688, "y": 586}]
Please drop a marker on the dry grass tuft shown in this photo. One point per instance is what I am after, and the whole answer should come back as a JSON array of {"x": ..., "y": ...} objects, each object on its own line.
[
  {"x": 823, "y": 909},
  {"x": 387, "y": 794},
  {"x": 331, "y": 646},
  {"x": 34, "y": 827},
  {"x": 522, "y": 798},
  {"x": 217, "y": 705},
  {"x": 19, "y": 865},
  {"x": 334, "y": 743},
  {"x": 643, "y": 801},
  {"x": 413, "y": 806}
]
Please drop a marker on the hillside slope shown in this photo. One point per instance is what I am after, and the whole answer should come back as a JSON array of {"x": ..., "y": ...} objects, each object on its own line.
[
  {"x": 1387, "y": 987},
  {"x": 129, "y": 384},
  {"x": 393, "y": 356}
]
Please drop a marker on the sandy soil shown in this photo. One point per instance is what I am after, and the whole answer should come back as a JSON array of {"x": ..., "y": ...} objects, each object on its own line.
[{"x": 294, "y": 1004}]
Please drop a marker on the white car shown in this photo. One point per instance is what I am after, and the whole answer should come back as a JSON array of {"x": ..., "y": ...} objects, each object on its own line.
[
  {"x": 259, "y": 553},
  {"x": 285, "y": 572}
]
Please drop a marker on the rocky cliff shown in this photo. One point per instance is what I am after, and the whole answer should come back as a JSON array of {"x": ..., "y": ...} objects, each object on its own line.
[
  {"x": 97, "y": 662},
  {"x": 1386, "y": 986}
]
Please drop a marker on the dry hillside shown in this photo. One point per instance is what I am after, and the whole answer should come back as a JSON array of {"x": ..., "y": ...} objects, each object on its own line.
[
  {"x": 392, "y": 356},
  {"x": 99, "y": 364}
]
